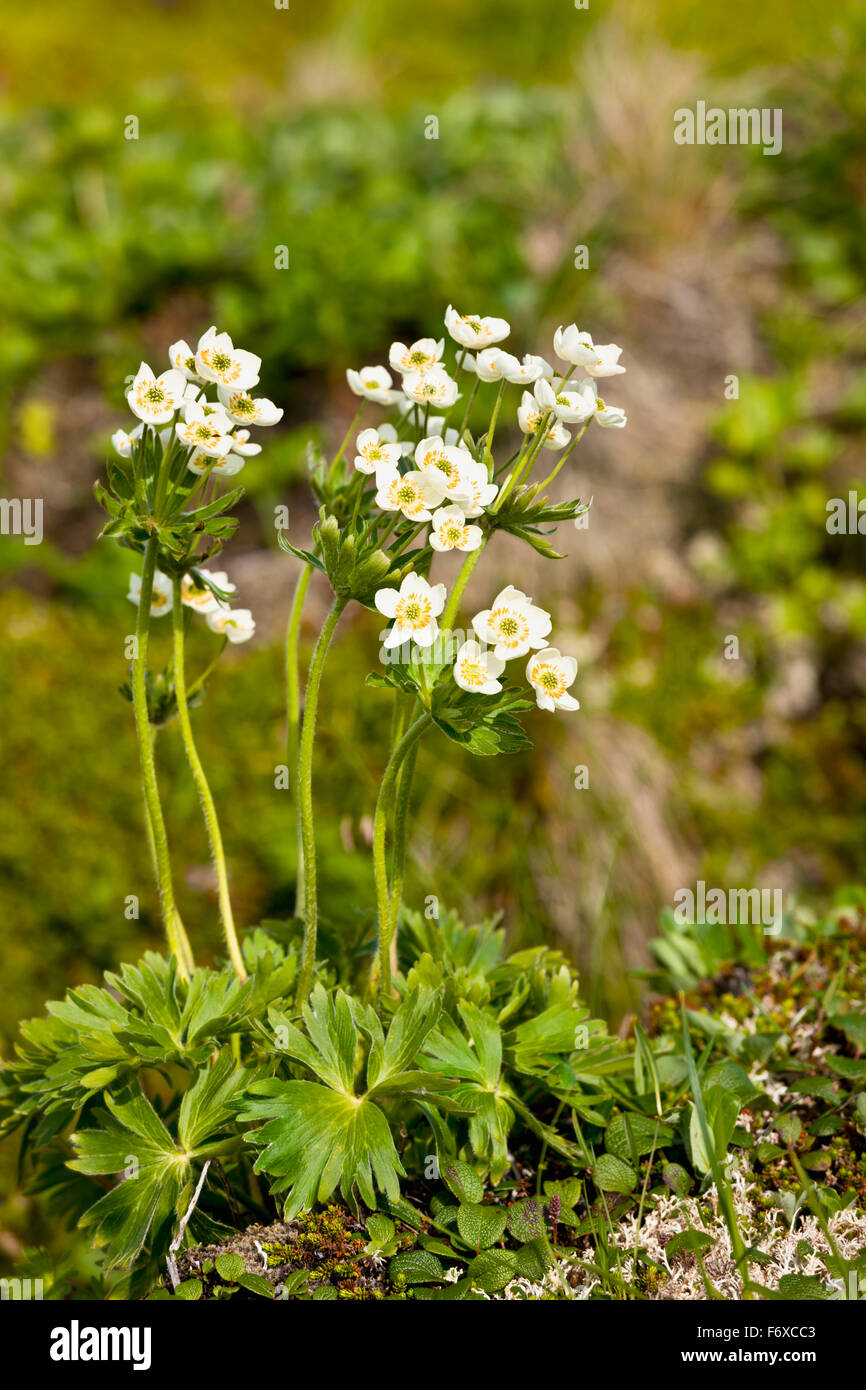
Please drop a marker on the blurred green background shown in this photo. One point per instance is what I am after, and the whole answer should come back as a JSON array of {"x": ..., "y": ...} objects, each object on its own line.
[{"x": 306, "y": 128}]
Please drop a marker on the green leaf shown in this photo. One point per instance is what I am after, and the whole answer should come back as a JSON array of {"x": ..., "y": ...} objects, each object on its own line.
[
  {"x": 492, "y": 1270},
  {"x": 803, "y": 1288},
  {"x": 462, "y": 1180},
  {"x": 789, "y": 1127},
  {"x": 255, "y": 1283},
  {"x": 480, "y": 1226},
  {"x": 534, "y": 1259},
  {"x": 629, "y": 1136},
  {"x": 526, "y": 1219},
  {"x": 853, "y": 1025},
  {"x": 848, "y": 1067},
  {"x": 676, "y": 1178},
  {"x": 189, "y": 1290},
  {"x": 317, "y": 1139},
  {"x": 230, "y": 1267},
  {"x": 721, "y": 1109},
  {"x": 381, "y": 1228},
  {"x": 211, "y": 1100},
  {"x": 131, "y": 1139},
  {"x": 417, "y": 1267},
  {"x": 613, "y": 1175},
  {"x": 696, "y": 1242}
]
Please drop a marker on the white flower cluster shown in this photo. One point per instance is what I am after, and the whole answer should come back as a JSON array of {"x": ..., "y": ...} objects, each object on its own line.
[
  {"x": 237, "y": 624},
  {"x": 513, "y": 627},
  {"x": 446, "y": 485},
  {"x": 217, "y": 437}
]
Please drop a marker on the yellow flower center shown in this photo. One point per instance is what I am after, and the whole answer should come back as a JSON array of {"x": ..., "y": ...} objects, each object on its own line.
[
  {"x": 414, "y": 611},
  {"x": 551, "y": 681},
  {"x": 510, "y": 627},
  {"x": 472, "y": 672}
]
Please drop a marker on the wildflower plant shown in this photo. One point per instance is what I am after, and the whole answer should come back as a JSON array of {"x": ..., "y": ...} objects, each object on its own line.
[
  {"x": 423, "y": 483},
  {"x": 307, "y": 1066}
]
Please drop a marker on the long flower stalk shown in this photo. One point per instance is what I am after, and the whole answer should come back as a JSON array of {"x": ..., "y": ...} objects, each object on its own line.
[
  {"x": 293, "y": 708},
  {"x": 306, "y": 831},
  {"x": 204, "y": 792},
  {"x": 386, "y": 920},
  {"x": 402, "y": 803},
  {"x": 178, "y": 941}
]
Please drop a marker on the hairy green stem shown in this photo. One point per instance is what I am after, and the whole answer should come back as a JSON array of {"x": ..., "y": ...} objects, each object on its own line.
[
  {"x": 460, "y": 583},
  {"x": 491, "y": 429},
  {"x": 178, "y": 942},
  {"x": 202, "y": 787},
  {"x": 387, "y": 923},
  {"x": 293, "y": 709},
  {"x": 401, "y": 815},
  {"x": 306, "y": 832}
]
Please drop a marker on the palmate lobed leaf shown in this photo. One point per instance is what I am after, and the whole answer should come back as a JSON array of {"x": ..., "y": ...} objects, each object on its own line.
[
  {"x": 320, "y": 1134},
  {"x": 130, "y": 1138},
  {"x": 317, "y": 1139}
]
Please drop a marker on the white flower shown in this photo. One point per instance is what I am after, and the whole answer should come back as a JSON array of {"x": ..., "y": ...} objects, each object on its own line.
[
  {"x": 237, "y": 624},
  {"x": 449, "y": 531},
  {"x": 182, "y": 358},
  {"x": 242, "y": 445},
  {"x": 199, "y": 596},
  {"x": 599, "y": 359},
  {"x": 513, "y": 626},
  {"x": 154, "y": 399},
  {"x": 473, "y": 332},
  {"x": 241, "y": 407},
  {"x": 162, "y": 595},
  {"x": 473, "y": 492},
  {"x": 216, "y": 359},
  {"x": 125, "y": 443},
  {"x": 493, "y": 365},
  {"x": 226, "y": 467},
  {"x": 544, "y": 393},
  {"x": 447, "y": 462},
  {"x": 206, "y": 432},
  {"x": 414, "y": 609},
  {"x": 375, "y": 453},
  {"x": 413, "y": 494},
  {"x": 435, "y": 387},
  {"x": 476, "y": 669},
  {"x": 374, "y": 383},
  {"x": 420, "y": 357},
  {"x": 539, "y": 365},
  {"x": 530, "y": 415},
  {"x": 550, "y": 674},
  {"x": 612, "y": 417},
  {"x": 577, "y": 404}
]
